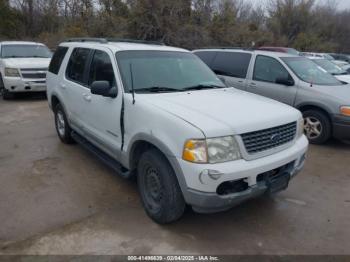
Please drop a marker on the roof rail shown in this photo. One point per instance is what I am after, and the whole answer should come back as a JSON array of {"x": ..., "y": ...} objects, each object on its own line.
[
  {"x": 136, "y": 41},
  {"x": 106, "y": 40},
  {"x": 87, "y": 39},
  {"x": 229, "y": 47}
]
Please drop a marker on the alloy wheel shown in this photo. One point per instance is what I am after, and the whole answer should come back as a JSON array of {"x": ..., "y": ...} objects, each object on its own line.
[
  {"x": 61, "y": 125},
  {"x": 312, "y": 127}
]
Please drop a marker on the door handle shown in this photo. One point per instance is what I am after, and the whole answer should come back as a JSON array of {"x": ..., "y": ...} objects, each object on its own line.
[
  {"x": 252, "y": 84},
  {"x": 87, "y": 97},
  {"x": 63, "y": 86}
]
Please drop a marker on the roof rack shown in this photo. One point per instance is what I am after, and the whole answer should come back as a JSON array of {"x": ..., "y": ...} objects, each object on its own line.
[
  {"x": 87, "y": 39},
  {"x": 229, "y": 47},
  {"x": 115, "y": 40},
  {"x": 136, "y": 41}
]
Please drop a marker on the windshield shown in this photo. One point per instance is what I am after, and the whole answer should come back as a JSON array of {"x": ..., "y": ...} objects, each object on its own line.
[
  {"x": 309, "y": 71},
  {"x": 16, "y": 51},
  {"x": 329, "y": 67},
  {"x": 164, "y": 71}
]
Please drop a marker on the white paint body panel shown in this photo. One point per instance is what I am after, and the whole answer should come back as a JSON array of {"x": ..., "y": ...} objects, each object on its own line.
[{"x": 173, "y": 118}]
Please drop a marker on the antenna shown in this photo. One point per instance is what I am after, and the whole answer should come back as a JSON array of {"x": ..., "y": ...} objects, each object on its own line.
[{"x": 132, "y": 84}]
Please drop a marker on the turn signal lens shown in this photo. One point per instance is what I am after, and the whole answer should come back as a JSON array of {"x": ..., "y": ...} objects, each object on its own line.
[
  {"x": 345, "y": 110},
  {"x": 195, "y": 151}
]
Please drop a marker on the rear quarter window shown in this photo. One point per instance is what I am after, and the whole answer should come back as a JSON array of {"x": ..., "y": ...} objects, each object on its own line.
[
  {"x": 232, "y": 64},
  {"x": 57, "y": 59}
]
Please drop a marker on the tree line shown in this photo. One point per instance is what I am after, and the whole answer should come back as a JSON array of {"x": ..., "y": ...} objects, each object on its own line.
[{"x": 302, "y": 24}]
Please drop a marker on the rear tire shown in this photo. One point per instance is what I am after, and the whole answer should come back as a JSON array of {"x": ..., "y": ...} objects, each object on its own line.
[
  {"x": 159, "y": 189},
  {"x": 62, "y": 127},
  {"x": 318, "y": 127}
]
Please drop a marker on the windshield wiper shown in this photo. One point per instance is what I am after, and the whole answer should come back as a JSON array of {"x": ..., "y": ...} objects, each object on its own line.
[
  {"x": 202, "y": 86},
  {"x": 157, "y": 89}
]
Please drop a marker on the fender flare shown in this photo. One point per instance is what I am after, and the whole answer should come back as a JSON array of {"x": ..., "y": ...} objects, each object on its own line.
[{"x": 165, "y": 150}]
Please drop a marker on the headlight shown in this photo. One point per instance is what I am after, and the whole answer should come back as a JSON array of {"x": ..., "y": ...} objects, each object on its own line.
[
  {"x": 12, "y": 72},
  {"x": 345, "y": 110},
  {"x": 212, "y": 150},
  {"x": 300, "y": 127}
]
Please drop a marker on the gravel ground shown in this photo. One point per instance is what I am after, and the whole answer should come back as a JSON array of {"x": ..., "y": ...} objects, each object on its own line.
[{"x": 59, "y": 199}]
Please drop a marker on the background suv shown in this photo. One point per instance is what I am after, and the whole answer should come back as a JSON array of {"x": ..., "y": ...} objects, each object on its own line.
[
  {"x": 293, "y": 80},
  {"x": 23, "y": 67},
  {"x": 159, "y": 113},
  {"x": 287, "y": 50}
]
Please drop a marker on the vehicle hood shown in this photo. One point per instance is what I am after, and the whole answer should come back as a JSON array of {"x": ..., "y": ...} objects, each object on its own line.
[
  {"x": 339, "y": 62},
  {"x": 226, "y": 111},
  {"x": 27, "y": 62},
  {"x": 341, "y": 93},
  {"x": 344, "y": 78}
]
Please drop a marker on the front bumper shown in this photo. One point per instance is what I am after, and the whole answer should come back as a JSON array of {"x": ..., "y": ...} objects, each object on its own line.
[
  {"x": 17, "y": 84},
  {"x": 202, "y": 193},
  {"x": 341, "y": 127}
]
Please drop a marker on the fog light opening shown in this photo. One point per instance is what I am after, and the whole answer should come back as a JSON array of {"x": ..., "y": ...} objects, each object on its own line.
[{"x": 231, "y": 187}]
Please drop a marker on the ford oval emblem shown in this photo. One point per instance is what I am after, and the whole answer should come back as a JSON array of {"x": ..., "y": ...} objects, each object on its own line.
[{"x": 275, "y": 138}]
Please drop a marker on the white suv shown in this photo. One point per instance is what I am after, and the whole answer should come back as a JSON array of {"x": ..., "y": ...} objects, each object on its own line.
[
  {"x": 23, "y": 67},
  {"x": 159, "y": 113}
]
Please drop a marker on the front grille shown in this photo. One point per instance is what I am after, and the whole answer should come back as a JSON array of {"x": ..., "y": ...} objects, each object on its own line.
[
  {"x": 259, "y": 141},
  {"x": 34, "y": 73}
]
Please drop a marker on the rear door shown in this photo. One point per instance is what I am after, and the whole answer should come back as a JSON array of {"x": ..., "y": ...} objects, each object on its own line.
[
  {"x": 75, "y": 85},
  {"x": 102, "y": 114},
  {"x": 232, "y": 67},
  {"x": 263, "y": 80}
]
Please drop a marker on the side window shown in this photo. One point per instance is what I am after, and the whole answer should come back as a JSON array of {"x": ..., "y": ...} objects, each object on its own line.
[
  {"x": 57, "y": 59},
  {"x": 101, "y": 68},
  {"x": 268, "y": 69},
  {"x": 233, "y": 64},
  {"x": 206, "y": 56},
  {"x": 77, "y": 64}
]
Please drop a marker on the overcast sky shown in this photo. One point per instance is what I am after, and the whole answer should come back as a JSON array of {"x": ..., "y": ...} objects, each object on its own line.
[{"x": 342, "y": 4}]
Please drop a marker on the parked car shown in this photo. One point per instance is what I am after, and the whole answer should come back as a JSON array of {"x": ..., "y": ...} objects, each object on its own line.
[
  {"x": 333, "y": 69},
  {"x": 23, "y": 67},
  {"x": 346, "y": 68},
  {"x": 294, "y": 80},
  {"x": 325, "y": 56},
  {"x": 287, "y": 50},
  {"x": 341, "y": 57},
  {"x": 159, "y": 113}
]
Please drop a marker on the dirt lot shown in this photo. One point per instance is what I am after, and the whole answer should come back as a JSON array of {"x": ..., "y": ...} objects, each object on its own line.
[{"x": 58, "y": 199}]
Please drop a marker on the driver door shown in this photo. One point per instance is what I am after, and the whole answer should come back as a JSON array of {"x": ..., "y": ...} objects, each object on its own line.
[
  {"x": 102, "y": 114},
  {"x": 263, "y": 81}
]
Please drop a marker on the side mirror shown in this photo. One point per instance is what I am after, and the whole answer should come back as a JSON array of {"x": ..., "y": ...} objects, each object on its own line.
[
  {"x": 285, "y": 81},
  {"x": 103, "y": 88}
]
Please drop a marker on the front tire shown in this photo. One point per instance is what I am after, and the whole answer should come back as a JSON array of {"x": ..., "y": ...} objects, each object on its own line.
[
  {"x": 7, "y": 95},
  {"x": 317, "y": 126},
  {"x": 159, "y": 189},
  {"x": 62, "y": 126}
]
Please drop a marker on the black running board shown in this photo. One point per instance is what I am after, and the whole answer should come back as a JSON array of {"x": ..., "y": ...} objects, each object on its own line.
[{"x": 109, "y": 161}]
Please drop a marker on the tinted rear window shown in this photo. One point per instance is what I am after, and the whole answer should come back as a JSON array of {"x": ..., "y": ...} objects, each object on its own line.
[
  {"x": 77, "y": 64},
  {"x": 206, "y": 56},
  {"x": 231, "y": 64},
  {"x": 57, "y": 59}
]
